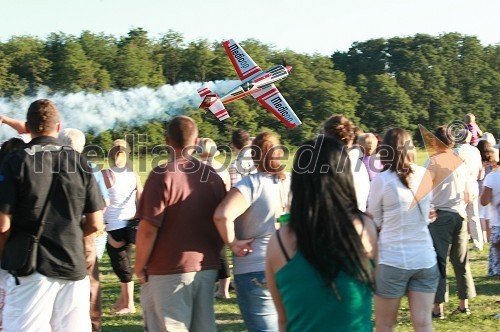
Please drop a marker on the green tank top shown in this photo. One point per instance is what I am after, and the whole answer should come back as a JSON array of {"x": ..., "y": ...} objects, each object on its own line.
[{"x": 311, "y": 305}]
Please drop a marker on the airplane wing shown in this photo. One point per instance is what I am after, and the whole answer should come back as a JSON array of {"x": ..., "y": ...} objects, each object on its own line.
[
  {"x": 242, "y": 62},
  {"x": 212, "y": 103},
  {"x": 273, "y": 100}
]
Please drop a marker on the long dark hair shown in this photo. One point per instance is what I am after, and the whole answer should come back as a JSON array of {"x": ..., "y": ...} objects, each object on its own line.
[
  {"x": 398, "y": 153},
  {"x": 323, "y": 209}
]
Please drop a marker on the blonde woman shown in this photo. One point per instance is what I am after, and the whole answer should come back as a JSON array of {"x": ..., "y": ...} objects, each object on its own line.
[
  {"x": 125, "y": 188},
  {"x": 207, "y": 151}
]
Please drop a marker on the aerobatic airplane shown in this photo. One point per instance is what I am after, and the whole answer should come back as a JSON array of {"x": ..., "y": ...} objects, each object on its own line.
[{"x": 255, "y": 82}]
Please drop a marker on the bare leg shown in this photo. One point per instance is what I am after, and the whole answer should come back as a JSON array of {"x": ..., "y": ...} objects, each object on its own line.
[
  {"x": 127, "y": 294},
  {"x": 464, "y": 304},
  {"x": 223, "y": 291},
  {"x": 485, "y": 225},
  {"x": 438, "y": 307},
  {"x": 420, "y": 308},
  {"x": 386, "y": 313}
]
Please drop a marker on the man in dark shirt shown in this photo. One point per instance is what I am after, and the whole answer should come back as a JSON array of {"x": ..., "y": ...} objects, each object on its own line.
[{"x": 57, "y": 294}]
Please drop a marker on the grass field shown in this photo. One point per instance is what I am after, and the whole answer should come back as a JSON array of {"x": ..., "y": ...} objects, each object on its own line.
[{"x": 483, "y": 307}]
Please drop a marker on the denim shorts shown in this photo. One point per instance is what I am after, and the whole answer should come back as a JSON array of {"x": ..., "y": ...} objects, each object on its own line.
[
  {"x": 255, "y": 302},
  {"x": 393, "y": 282}
]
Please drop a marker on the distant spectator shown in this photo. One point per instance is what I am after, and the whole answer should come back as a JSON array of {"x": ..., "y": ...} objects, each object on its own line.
[
  {"x": 207, "y": 151},
  {"x": 9, "y": 146},
  {"x": 488, "y": 160},
  {"x": 76, "y": 139},
  {"x": 341, "y": 128},
  {"x": 471, "y": 125},
  {"x": 243, "y": 164},
  {"x": 369, "y": 143},
  {"x": 491, "y": 195},
  {"x": 472, "y": 159},
  {"x": 357, "y": 132}
]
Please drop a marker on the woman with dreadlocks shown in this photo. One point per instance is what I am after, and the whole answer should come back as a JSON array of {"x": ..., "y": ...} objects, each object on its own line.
[{"x": 319, "y": 266}]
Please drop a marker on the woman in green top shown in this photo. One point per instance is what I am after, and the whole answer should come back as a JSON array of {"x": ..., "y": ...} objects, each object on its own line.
[{"x": 319, "y": 266}]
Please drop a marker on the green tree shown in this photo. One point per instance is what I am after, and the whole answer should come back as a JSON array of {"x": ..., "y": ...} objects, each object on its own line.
[
  {"x": 198, "y": 57},
  {"x": 10, "y": 84},
  {"x": 135, "y": 65},
  {"x": 170, "y": 54},
  {"x": 25, "y": 54},
  {"x": 386, "y": 105}
]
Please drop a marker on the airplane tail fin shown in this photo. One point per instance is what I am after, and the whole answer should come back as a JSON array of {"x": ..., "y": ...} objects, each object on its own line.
[{"x": 212, "y": 103}]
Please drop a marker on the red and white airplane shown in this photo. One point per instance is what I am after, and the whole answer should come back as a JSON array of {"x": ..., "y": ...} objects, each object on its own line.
[{"x": 255, "y": 82}]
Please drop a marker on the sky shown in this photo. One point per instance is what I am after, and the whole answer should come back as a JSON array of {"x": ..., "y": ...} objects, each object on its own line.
[{"x": 305, "y": 26}]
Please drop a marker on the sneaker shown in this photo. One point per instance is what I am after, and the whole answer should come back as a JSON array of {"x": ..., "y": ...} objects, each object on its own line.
[
  {"x": 462, "y": 311},
  {"x": 439, "y": 315}
]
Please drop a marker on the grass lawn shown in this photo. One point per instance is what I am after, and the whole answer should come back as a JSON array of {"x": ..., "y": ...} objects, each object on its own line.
[{"x": 483, "y": 307}]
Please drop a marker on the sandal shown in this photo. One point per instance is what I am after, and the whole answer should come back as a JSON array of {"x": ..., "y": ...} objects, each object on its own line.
[
  {"x": 439, "y": 315},
  {"x": 462, "y": 311}
]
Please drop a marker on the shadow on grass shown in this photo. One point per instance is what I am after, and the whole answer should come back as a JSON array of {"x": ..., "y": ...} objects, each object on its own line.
[{"x": 487, "y": 285}]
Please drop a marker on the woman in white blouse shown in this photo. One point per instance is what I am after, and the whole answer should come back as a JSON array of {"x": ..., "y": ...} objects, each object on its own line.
[{"x": 399, "y": 202}]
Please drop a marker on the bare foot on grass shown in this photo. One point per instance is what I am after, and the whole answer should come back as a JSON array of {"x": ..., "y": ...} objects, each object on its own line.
[{"x": 124, "y": 311}]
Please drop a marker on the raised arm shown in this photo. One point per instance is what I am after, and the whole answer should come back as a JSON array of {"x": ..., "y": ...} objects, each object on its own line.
[{"x": 15, "y": 124}]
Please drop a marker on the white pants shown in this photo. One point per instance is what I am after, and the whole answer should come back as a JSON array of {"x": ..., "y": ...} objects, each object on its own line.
[
  {"x": 475, "y": 230},
  {"x": 43, "y": 303}
]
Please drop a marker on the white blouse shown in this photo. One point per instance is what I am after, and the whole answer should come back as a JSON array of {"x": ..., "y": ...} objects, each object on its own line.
[{"x": 404, "y": 240}]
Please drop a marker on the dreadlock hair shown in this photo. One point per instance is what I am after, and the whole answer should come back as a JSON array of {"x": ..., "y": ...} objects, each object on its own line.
[
  {"x": 397, "y": 153},
  {"x": 323, "y": 209}
]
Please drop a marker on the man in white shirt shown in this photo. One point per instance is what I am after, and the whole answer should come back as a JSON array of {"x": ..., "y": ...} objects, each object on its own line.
[{"x": 472, "y": 159}]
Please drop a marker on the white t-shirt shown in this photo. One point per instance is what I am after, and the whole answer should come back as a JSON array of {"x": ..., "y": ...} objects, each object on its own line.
[
  {"x": 472, "y": 158},
  {"x": 361, "y": 179},
  {"x": 449, "y": 175},
  {"x": 404, "y": 241},
  {"x": 122, "y": 195},
  {"x": 492, "y": 181}
]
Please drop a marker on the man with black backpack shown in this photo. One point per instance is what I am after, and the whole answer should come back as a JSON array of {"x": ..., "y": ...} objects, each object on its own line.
[{"x": 44, "y": 190}]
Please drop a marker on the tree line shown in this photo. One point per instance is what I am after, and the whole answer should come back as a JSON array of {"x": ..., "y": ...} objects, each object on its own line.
[{"x": 379, "y": 83}]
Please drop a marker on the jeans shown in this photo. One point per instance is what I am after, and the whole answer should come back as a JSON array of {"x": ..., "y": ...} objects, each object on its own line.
[{"x": 255, "y": 302}]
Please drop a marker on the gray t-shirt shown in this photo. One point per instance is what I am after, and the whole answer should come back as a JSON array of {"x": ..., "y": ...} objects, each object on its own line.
[{"x": 266, "y": 195}]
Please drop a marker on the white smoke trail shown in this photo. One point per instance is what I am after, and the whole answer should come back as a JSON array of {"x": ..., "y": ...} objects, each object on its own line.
[{"x": 98, "y": 112}]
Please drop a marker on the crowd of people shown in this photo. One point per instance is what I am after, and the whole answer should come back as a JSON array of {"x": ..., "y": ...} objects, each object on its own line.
[{"x": 362, "y": 225}]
